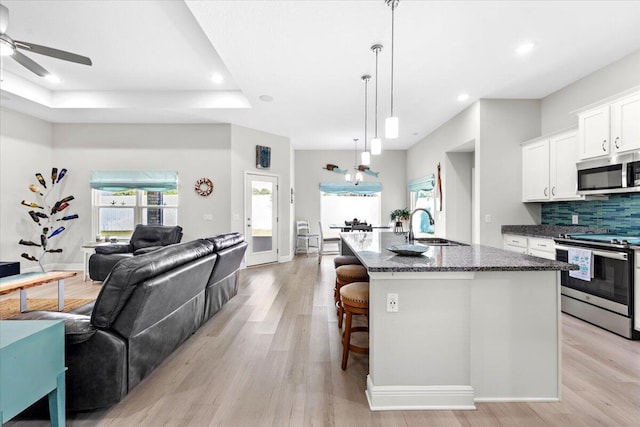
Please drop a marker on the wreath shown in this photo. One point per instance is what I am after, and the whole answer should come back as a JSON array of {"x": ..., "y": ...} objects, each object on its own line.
[{"x": 204, "y": 187}]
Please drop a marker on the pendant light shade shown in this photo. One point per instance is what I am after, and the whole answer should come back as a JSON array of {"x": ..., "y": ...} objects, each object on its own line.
[
  {"x": 392, "y": 126},
  {"x": 376, "y": 143},
  {"x": 366, "y": 156},
  {"x": 347, "y": 177},
  {"x": 359, "y": 177}
]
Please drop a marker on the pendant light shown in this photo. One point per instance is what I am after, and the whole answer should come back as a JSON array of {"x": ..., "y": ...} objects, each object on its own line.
[
  {"x": 358, "y": 177},
  {"x": 366, "y": 156},
  {"x": 376, "y": 143},
  {"x": 391, "y": 124}
]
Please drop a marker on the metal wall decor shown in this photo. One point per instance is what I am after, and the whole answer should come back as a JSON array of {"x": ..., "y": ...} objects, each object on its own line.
[
  {"x": 204, "y": 187},
  {"x": 263, "y": 157}
]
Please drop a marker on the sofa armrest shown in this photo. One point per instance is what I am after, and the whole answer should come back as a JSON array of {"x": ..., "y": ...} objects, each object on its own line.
[
  {"x": 77, "y": 328},
  {"x": 114, "y": 249},
  {"x": 146, "y": 250}
]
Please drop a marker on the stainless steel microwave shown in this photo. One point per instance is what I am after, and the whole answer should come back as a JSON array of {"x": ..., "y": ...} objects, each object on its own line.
[{"x": 605, "y": 176}]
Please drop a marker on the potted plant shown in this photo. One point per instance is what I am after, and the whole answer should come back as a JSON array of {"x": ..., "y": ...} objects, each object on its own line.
[{"x": 399, "y": 215}]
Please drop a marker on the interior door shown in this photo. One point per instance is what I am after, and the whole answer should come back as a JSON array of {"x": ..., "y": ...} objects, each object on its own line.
[{"x": 261, "y": 218}]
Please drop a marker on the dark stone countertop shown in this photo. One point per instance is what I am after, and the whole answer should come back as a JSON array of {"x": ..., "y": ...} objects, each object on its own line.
[
  {"x": 548, "y": 231},
  {"x": 370, "y": 248}
]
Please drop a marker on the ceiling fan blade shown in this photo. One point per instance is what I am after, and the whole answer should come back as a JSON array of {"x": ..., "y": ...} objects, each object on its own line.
[
  {"x": 4, "y": 18},
  {"x": 29, "y": 64},
  {"x": 55, "y": 53}
]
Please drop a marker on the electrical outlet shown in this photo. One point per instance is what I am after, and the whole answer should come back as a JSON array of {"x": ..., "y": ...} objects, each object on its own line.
[
  {"x": 487, "y": 218},
  {"x": 207, "y": 217},
  {"x": 574, "y": 219},
  {"x": 392, "y": 303}
]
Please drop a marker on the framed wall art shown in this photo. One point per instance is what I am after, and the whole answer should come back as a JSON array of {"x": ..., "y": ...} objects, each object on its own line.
[{"x": 263, "y": 157}]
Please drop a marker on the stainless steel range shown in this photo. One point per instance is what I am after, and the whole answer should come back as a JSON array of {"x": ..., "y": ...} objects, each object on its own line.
[{"x": 602, "y": 293}]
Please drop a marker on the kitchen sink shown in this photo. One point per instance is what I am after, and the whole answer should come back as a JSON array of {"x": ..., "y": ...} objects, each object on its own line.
[{"x": 437, "y": 241}]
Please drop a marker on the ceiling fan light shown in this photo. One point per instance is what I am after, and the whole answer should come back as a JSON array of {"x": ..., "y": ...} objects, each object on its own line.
[
  {"x": 376, "y": 146},
  {"x": 366, "y": 158},
  {"x": 391, "y": 127},
  {"x": 6, "y": 49}
]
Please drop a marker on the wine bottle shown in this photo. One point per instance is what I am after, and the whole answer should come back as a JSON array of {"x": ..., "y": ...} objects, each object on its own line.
[
  {"x": 34, "y": 188},
  {"x": 34, "y": 217},
  {"x": 62, "y": 207},
  {"x": 43, "y": 240},
  {"x": 54, "y": 251},
  {"x": 54, "y": 175},
  {"x": 41, "y": 180},
  {"x": 45, "y": 230},
  {"x": 55, "y": 207},
  {"x": 66, "y": 199},
  {"x": 41, "y": 215},
  {"x": 61, "y": 175},
  {"x": 57, "y": 231},
  {"x": 29, "y": 257},
  {"x": 31, "y": 205},
  {"x": 28, "y": 243},
  {"x": 68, "y": 217}
]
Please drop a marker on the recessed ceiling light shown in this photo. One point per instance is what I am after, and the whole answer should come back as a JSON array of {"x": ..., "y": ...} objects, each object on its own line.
[
  {"x": 52, "y": 78},
  {"x": 217, "y": 78},
  {"x": 525, "y": 48},
  {"x": 463, "y": 97},
  {"x": 266, "y": 98}
]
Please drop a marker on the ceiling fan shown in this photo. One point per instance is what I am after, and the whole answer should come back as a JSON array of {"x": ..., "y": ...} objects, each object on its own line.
[{"x": 9, "y": 47}]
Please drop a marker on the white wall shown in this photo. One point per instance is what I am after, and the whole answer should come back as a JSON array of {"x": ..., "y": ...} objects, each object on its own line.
[
  {"x": 558, "y": 108},
  {"x": 243, "y": 159},
  {"x": 504, "y": 124},
  {"x": 423, "y": 159},
  {"x": 309, "y": 173},
  {"x": 25, "y": 149},
  {"x": 195, "y": 151}
]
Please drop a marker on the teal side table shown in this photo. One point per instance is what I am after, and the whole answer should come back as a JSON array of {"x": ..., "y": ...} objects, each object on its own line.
[{"x": 31, "y": 367}]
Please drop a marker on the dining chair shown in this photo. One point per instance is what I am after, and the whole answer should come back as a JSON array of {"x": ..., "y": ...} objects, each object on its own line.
[
  {"x": 304, "y": 238},
  {"x": 329, "y": 240}
]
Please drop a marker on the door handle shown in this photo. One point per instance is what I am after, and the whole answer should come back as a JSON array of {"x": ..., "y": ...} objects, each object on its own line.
[
  {"x": 546, "y": 194},
  {"x": 553, "y": 191},
  {"x": 604, "y": 141},
  {"x": 616, "y": 142}
]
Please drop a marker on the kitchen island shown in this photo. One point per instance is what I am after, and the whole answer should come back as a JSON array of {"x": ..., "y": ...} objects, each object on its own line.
[{"x": 474, "y": 324}]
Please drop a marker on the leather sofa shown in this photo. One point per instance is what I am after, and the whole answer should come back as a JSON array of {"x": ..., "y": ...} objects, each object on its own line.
[
  {"x": 145, "y": 238},
  {"x": 147, "y": 307}
]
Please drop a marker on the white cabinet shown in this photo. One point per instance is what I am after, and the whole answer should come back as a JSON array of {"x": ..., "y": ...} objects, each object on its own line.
[
  {"x": 514, "y": 243},
  {"x": 536, "y": 246},
  {"x": 610, "y": 128},
  {"x": 549, "y": 168},
  {"x": 535, "y": 171},
  {"x": 625, "y": 124},
  {"x": 593, "y": 133}
]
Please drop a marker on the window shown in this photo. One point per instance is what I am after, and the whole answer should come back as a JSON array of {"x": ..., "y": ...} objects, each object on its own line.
[
  {"x": 122, "y": 199},
  {"x": 118, "y": 212},
  {"x": 422, "y": 196},
  {"x": 338, "y": 204}
]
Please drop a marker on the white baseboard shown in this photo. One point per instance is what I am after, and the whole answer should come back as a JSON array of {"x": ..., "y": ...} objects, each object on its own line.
[
  {"x": 57, "y": 266},
  {"x": 285, "y": 258},
  {"x": 402, "y": 398}
]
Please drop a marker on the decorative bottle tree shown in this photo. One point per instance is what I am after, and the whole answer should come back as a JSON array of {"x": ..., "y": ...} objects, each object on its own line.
[{"x": 47, "y": 214}]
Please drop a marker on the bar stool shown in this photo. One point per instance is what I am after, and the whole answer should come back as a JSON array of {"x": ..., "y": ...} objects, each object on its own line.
[
  {"x": 354, "y": 300},
  {"x": 345, "y": 260},
  {"x": 346, "y": 274}
]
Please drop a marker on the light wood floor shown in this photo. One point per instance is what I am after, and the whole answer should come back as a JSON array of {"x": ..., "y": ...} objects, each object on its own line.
[{"x": 271, "y": 357}]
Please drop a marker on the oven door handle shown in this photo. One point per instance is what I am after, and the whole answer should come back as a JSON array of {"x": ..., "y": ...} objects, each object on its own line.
[{"x": 605, "y": 254}]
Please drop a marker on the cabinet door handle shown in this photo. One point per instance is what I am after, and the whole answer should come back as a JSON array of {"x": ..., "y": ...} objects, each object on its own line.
[
  {"x": 616, "y": 142},
  {"x": 546, "y": 194},
  {"x": 553, "y": 191},
  {"x": 604, "y": 141}
]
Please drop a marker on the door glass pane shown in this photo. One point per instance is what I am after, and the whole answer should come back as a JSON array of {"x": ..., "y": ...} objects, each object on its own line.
[
  {"x": 262, "y": 216},
  {"x": 160, "y": 216},
  {"x": 117, "y": 222}
]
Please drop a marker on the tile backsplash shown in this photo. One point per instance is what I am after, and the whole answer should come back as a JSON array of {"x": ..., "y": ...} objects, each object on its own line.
[{"x": 620, "y": 214}]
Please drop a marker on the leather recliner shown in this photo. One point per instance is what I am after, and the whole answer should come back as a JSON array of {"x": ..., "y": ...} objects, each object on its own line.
[{"x": 145, "y": 238}]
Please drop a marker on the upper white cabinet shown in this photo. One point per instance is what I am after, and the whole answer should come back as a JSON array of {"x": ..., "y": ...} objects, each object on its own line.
[
  {"x": 625, "y": 124},
  {"x": 549, "y": 168},
  {"x": 610, "y": 128},
  {"x": 535, "y": 171},
  {"x": 593, "y": 130}
]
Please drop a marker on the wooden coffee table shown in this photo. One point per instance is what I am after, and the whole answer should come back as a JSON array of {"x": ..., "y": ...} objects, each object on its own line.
[{"x": 28, "y": 280}]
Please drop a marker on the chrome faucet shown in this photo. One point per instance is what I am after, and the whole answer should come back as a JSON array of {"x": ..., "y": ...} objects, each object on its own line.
[{"x": 410, "y": 237}]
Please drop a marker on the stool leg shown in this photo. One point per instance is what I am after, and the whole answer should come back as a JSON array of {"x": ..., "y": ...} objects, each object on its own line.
[
  {"x": 346, "y": 340},
  {"x": 340, "y": 314}
]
